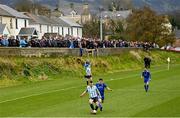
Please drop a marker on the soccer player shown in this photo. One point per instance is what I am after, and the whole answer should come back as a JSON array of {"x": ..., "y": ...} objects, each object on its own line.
[
  {"x": 88, "y": 75},
  {"x": 101, "y": 87},
  {"x": 93, "y": 96},
  {"x": 147, "y": 77}
]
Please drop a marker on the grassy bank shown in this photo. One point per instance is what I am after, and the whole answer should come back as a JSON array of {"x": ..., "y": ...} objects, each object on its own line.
[{"x": 21, "y": 70}]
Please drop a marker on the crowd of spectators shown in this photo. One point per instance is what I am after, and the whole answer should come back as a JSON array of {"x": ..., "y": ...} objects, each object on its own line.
[{"x": 72, "y": 42}]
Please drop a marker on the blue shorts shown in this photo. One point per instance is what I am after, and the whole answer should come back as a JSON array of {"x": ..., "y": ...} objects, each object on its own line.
[{"x": 146, "y": 81}]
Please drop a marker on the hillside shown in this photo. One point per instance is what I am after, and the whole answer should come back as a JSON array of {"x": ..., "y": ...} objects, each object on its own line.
[
  {"x": 158, "y": 5},
  {"x": 20, "y": 70}
]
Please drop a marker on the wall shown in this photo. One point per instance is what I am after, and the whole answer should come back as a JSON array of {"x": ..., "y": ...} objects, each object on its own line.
[
  {"x": 7, "y": 21},
  {"x": 55, "y": 52}
]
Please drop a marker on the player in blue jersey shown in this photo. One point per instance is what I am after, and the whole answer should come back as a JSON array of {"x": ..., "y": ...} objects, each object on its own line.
[
  {"x": 101, "y": 87},
  {"x": 88, "y": 75},
  {"x": 147, "y": 77},
  {"x": 93, "y": 96}
]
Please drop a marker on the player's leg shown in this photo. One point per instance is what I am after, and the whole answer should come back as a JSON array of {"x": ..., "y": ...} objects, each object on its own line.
[
  {"x": 91, "y": 104},
  {"x": 100, "y": 104},
  {"x": 97, "y": 105},
  {"x": 95, "y": 100},
  {"x": 147, "y": 86}
]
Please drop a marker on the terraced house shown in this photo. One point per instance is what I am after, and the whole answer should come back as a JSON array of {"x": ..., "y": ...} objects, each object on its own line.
[
  {"x": 54, "y": 25},
  {"x": 12, "y": 21}
]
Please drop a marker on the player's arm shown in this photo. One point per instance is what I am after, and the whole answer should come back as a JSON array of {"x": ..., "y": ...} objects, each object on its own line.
[
  {"x": 84, "y": 93},
  {"x": 109, "y": 89}
]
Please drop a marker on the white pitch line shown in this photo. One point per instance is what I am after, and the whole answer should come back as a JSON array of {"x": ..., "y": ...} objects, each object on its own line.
[
  {"x": 68, "y": 88},
  {"x": 37, "y": 94}
]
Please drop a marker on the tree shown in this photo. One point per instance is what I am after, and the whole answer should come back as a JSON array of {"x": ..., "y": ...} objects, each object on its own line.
[
  {"x": 24, "y": 5},
  {"x": 72, "y": 6},
  {"x": 118, "y": 4},
  {"x": 175, "y": 18},
  {"x": 29, "y": 6},
  {"x": 145, "y": 25},
  {"x": 91, "y": 29}
]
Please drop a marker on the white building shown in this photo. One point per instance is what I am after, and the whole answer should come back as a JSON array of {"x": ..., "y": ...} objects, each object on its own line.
[
  {"x": 61, "y": 26},
  {"x": 13, "y": 20}
]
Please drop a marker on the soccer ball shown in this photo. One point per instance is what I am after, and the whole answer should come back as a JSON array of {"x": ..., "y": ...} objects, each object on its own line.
[{"x": 93, "y": 111}]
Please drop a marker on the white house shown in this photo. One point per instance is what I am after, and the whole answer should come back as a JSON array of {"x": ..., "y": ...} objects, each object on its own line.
[
  {"x": 13, "y": 19},
  {"x": 61, "y": 26},
  {"x": 75, "y": 28}
]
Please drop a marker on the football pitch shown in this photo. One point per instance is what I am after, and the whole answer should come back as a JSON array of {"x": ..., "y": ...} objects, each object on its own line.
[{"x": 61, "y": 97}]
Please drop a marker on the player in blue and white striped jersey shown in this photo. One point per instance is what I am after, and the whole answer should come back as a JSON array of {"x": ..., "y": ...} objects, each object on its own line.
[
  {"x": 93, "y": 96},
  {"x": 88, "y": 75}
]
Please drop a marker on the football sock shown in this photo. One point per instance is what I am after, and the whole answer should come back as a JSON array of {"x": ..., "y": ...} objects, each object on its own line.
[
  {"x": 147, "y": 87},
  {"x": 87, "y": 83},
  {"x": 92, "y": 106}
]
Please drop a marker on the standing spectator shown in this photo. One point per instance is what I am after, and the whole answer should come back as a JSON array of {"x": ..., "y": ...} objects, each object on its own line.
[{"x": 147, "y": 62}]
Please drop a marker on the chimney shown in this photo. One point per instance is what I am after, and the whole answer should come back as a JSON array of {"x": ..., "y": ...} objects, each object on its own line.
[
  {"x": 36, "y": 12},
  {"x": 85, "y": 6}
]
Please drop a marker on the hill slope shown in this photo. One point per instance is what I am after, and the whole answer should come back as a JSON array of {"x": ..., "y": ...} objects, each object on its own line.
[
  {"x": 20, "y": 70},
  {"x": 158, "y": 5}
]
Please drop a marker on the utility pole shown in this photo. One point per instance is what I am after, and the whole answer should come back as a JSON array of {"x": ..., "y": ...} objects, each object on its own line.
[{"x": 101, "y": 24}]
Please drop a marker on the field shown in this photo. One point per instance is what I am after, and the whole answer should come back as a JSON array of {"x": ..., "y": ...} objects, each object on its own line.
[{"x": 60, "y": 97}]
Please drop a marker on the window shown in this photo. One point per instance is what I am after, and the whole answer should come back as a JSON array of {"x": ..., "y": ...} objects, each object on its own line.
[
  {"x": 68, "y": 31},
  {"x": 62, "y": 30},
  {"x": 11, "y": 24},
  {"x": 25, "y": 23},
  {"x": 16, "y": 23},
  {"x": 40, "y": 27},
  {"x": 58, "y": 30},
  {"x": 78, "y": 31}
]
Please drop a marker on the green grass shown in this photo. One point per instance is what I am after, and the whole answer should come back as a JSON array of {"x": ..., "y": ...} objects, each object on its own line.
[
  {"x": 60, "y": 97},
  {"x": 59, "y": 94}
]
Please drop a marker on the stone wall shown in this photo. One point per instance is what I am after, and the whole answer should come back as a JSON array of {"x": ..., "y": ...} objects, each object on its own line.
[{"x": 55, "y": 52}]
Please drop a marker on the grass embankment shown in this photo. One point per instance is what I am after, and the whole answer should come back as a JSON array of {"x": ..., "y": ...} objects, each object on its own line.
[{"x": 20, "y": 70}]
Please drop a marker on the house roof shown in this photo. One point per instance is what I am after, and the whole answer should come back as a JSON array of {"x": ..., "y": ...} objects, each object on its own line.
[
  {"x": 5, "y": 13},
  {"x": 70, "y": 22},
  {"x": 2, "y": 27},
  {"x": 60, "y": 22},
  {"x": 27, "y": 32},
  {"x": 8, "y": 11},
  {"x": 44, "y": 20}
]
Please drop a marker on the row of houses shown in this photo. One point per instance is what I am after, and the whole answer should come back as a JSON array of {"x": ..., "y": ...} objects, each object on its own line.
[{"x": 15, "y": 24}]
